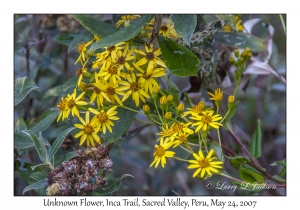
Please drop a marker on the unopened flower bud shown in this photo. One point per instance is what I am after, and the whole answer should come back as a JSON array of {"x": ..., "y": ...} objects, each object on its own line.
[
  {"x": 170, "y": 98},
  {"x": 236, "y": 53},
  {"x": 87, "y": 74},
  {"x": 244, "y": 54},
  {"x": 230, "y": 101},
  {"x": 180, "y": 108},
  {"x": 163, "y": 102},
  {"x": 146, "y": 109},
  {"x": 249, "y": 55},
  {"x": 247, "y": 49},
  {"x": 231, "y": 61},
  {"x": 155, "y": 92},
  {"x": 168, "y": 115}
]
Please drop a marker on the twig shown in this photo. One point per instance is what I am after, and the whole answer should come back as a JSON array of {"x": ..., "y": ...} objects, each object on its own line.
[{"x": 156, "y": 28}]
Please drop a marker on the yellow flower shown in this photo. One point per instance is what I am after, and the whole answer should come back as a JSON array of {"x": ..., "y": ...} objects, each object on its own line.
[
  {"x": 166, "y": 29},
  {"x": 237, "y": 27},
  {"x": 103, "y": 119},
  {"x": 207, "y": 119},
  {"x": 205, "y": 164},
  {"x": 135, "y": 89},
  {"x": 196, "y": 110},
  {"x": 63, "y": 107},
  {"x": 181, "y": 138},
  {"x": 73, "y": 101},
  {"x": 151, "y": 58},
  {"x": 80, "y": 73},
  {"x": 89, "y": 131},
  {"x": 122, "y": 58},
  {"x": 179, "y": 127},
  {"x": 125, "y": 19},
  {"x": 147, "y": 80},
  {"x": 112, "y": 90},
  {"x": 98, "y": 93},
  {"x": 217, "y": 97},
  {"x": 166, "y": 132},
  {"x": 83, "y": 56},
  {"x": 160, "y": 154},
  {"x": 112, "y": 72}
]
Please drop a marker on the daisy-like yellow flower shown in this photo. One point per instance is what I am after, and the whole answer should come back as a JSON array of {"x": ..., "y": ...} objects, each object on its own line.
[
  {"x": 238, "y": 25},
  {"x": 150, "y": 57},
  {"x": 181, "y": 138},
  {"x": 166, "y": 133},
  {"x": 63, "y": 107},
  {"x": 217, "y": 97},
  {"x": 73, "y": 101},
  {"x": 160, "y": 153},
  {"x": 147, "y": 80},
  {"x": 110, "y": 52},
  {"x": 88, "y": 131},
  {"x": 80, "y": 73},
  {"x": 123, "y": 57},
  {"x": 206, "y": 120},
  {"x": 205, "y": 164},
  {"x": 196, "y": 110},
  {"x": 112, "y": 72},
  {"x": 103, "y": 119},
  {"x": 166, "y": 29},
  {"x": 125, "y": 19},
  {"x": 113, "y": 90},
  {"x": 98, "y": 93},
  {"x": 135, "y": 89},
  {"x": 83, "y": 56},
  {"x": 179, "y": 127}
]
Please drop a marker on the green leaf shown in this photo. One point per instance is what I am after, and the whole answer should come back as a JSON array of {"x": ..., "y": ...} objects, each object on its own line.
[
  {"x": 37, "y": 176},
  {"x": 77, "y": 39},
  {"x": 185, "y": 26},
  {"x": 38, "y": 144},
  {"x": 21, "y": 141},
  {"x": 62, "y": 90},
  {"x": 232, "y": 110},
  {"x": 98, "y": 27},
  {"x": 240, "y": 40},
  {"x": 218, "y": 150},
  {"x": 45, "y": 122},
  {"x": 279, "y": 179},
  {"x": 278, "y": 163},
  {"x": 20, "y": 125},
  {"x": 66, "y": 157},
  {"x": 65, "y": 38},
  {"x": 179, "y": 60},
  {"x": 40, "y": 166},
  {"x": 255, "y": 145},
  {"x": 113, "y": 184},
  {"x": 58, "y": 141},
  {"x": 124, "y": 34},
  {"x": 22, "y": 87},
  {"x": 236, "y": 161},
  {"x": 250, "y": 174},
  {"x": 133, "y": 133},
  {"x": 36, "y": 185},
  {"x": 121, "y": 126}
]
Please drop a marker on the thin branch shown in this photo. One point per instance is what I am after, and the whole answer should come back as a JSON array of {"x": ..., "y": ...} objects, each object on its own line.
[{"x": 156, "y": 28}]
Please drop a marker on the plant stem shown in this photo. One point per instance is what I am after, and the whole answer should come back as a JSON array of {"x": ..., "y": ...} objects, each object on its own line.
[
  {"x": 185, "y": 149},
  {"x": 282, "y": 22},
  {"x": 218, "y": 130},
  {"x": 177, "y": 158},
  {"x": 158, "y": 111},
  {"x": 141, "y": 121},
  {"x": 225, "y": 115}
]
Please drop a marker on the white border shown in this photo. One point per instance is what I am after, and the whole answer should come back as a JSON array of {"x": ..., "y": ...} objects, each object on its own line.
[{"x": 152, "y": 6}]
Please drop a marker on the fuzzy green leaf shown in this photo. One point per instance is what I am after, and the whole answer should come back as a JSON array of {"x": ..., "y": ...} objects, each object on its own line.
[
  {"x": 65, "y": 38},
  {"x": 179, "y": 60},
  {"x": 255, "y": 145},
  {"x": 62, "y": 90},
  {"x": 122, "y": 35},
  {"x": 36, "y": 185},
  {"x": 22, "y": 141},
  {"x": 45, "y": 122},
  {"x": 58, "y": 141},
  {"x": 236, "y": 161},
  {"x": 20, "y": 125},
  {"x": 22, "y": 87},
  {"x": 250, "y": 174},
  {"x": 240, "y": 40},
  {"x": 185, "y": 26},
  {"x": 39, "y": 145},
  {"x": 98, "y": 27}
]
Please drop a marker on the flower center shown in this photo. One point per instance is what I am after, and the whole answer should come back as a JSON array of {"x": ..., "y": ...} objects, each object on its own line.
[
  {"x": 182, "y": 139},
  {"x": 110, "y": 91},
  {"x": 81, "y": 47},
  {"x": 134, "y": 86},
  {"x": 71, "y": 103},
  {"x": 206, "y": 119},
  {"x": 102, "y": 117},
  {"x": 150, "y": 56},
  {"x": 203, "y": 163},
  {"x": 177, "y": 127},
  {"x": 88, "y": 129},
  {"x": 146, "y": 76},
  {"x": 113, "y": 69},
  {"x": 160, "y": 151},
  {"x": 62, "y": 104},
  {"x": 96, "y": 90},
  {"x": 111, "y": 48},
  {"x": 121, "y": 60},
  {"x": 79, "y": 72},
  {"x": 164, "y": 28}
]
